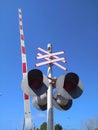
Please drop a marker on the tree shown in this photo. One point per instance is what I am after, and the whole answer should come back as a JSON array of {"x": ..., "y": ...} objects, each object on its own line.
[
  {"x": 43, "y": 126},
  {"x": 96, "y": 129},
  {"x": 92, "y": 123},
  {"x": 37, "y": 129},
  {"x": 58, "y": 127}
]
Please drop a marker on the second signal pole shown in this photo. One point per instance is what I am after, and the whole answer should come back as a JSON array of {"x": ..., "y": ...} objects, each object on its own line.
[{"x": 50, "y": 119}]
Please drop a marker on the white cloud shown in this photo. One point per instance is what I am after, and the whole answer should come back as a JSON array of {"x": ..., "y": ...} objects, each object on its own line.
[
  {"x": 42, "y": 115},
  {"x": 39, "y": 115}
]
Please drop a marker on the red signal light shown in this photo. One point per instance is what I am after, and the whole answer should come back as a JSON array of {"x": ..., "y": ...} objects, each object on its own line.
[
  {"x": 36, "y": 84},
  {"x": 35, "y": 79},
  {"x": 70, "y": 82},
  {"x": 69, "y": 86}
]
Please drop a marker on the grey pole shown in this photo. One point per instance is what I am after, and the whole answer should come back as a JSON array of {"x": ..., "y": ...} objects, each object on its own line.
[{"x": 50, "y": 121}]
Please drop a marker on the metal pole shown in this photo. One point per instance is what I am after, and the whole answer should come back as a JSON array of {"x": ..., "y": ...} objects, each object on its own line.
[
  {"x": 23, "y": 124},
  {"x": 50, "y": 122}
]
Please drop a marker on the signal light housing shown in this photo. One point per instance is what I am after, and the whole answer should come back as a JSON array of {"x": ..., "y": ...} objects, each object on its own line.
[
  {"x": 61, "y": 103},
  {"x": 69, "y": 86},
  {"x": 35, "y": 83},
  {"x": 35, "y": 79},
  {"x": 40, "y": 102},
  {"x": 70, "y": 82}
]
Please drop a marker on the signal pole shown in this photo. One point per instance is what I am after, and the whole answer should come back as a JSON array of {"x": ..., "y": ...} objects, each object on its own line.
[{"x": 50, "y": 121}]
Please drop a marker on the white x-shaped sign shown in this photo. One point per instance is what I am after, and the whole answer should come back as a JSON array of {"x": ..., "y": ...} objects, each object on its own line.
[{"x": 52, "y": 60}]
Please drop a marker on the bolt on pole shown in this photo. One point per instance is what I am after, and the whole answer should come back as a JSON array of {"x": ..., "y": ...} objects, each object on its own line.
[{"x": 50, "y": 119}]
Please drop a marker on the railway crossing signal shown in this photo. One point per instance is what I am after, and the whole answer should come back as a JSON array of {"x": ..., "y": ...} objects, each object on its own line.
[
  {"x": 39, "y": 86},
  {"x": 36, "y": 84}
]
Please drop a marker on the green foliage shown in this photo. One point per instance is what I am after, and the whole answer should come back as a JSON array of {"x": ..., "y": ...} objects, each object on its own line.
[
  {"x": 96, "y": 129},
  {"x": 43, "y": 126},
  {"x": 37, "y": 129},
  {"x": 58, "y": 127}
]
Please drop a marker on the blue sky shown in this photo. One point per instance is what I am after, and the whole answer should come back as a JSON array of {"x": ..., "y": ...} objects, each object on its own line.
[{"x": 69, "y": 25}]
